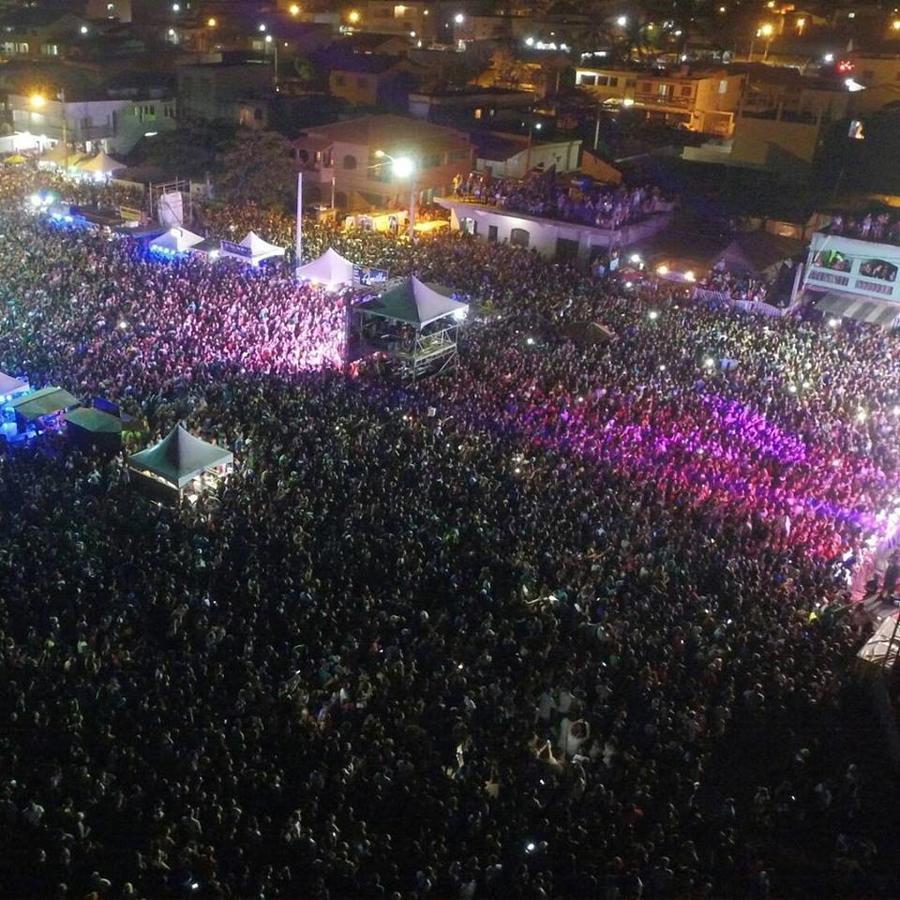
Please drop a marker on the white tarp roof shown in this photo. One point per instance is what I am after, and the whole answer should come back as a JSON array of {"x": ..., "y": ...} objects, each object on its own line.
[
  {"x": 329, "y": 268},
  {"x": 10, "y": 385},
  {"x": 176, "y": 240},
  {"x": 879, "y": 649},
  {"x": 101, "y": 164},
  {"x": 854, "y": 306},
  {"x": 259, "y": 248}
]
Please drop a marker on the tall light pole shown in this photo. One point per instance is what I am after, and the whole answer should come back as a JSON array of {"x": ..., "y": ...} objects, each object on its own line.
[
  {"x": 404, "y": 167},
  {"x": 270, "y": 39},
  {"x": 534, "y": 126}
]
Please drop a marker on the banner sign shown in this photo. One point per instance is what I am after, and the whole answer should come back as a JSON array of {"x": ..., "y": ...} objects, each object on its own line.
[
  {"x": 237, "y": 249},
  {"x": 367, "y": 276},
  {"x": 129, "y": 214}
]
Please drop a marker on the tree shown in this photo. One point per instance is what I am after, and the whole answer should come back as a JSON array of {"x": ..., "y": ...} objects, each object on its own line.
[
  {"x": 191, "y": 151},
  {"x": 257, "y": 168}
]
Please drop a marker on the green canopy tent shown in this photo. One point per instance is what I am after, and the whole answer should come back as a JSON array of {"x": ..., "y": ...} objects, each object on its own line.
[
  {"x": 89, "y": 426},
  {"x": 415, "y": 323},
  {"x": 38, "y": 404},
  {"x": 179, "y": 458}
]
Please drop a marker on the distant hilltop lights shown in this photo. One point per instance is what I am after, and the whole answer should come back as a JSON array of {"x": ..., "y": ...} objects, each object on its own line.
[{"x": 544, "y": 45}]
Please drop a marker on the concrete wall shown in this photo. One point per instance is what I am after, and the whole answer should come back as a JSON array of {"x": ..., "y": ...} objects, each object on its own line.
[
  {"x": 544, "y": 235},
  {"x": 563, "y": 154}
]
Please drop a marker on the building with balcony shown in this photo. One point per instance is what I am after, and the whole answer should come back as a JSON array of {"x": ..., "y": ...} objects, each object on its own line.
[
  {"x": 780, "y": 123},
  {"x": 854, "y": 277},
  {"x": 90, "y": 125},
  {"x": 351, "y": 161},
  {"x": 699, "y": 98}
]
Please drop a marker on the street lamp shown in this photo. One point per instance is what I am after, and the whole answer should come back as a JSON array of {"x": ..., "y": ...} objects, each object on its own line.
[
  {"x": 353, "y": 17},
  {"x": 211, "y": 22},
  {"x": 270, "y": 40},
  {"x": 766, "y": 30},
  {"x": 459, "y": 18},
  {"x": 403, "y": 167},
  {"x": 294, "y": 9}
]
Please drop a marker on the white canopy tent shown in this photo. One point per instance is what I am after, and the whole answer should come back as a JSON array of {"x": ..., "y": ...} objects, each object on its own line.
[
  {"x": 100, "y": 166},
  {"x": 330, "y": 269},
  {"x": 255, "y": 249},
  {"x": 175, "y": 240}
]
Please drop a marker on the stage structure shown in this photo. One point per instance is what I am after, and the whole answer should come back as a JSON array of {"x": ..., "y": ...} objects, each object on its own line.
[
  {"x": 171, "y": 204},
  {"x": 413, "y": 323}
]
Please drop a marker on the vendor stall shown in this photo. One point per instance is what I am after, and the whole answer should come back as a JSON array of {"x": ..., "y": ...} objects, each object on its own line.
[{"x": 180, "y": 463}]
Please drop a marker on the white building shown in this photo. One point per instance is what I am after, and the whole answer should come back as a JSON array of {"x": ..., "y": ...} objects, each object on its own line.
[
  {"x": 113, "y": 126},
  {"x": 550, "y": 237},
  {"x": 849, "y": 276}
]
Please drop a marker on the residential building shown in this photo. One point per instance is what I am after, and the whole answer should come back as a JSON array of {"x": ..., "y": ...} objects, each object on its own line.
[
  {"x": 217, "y": 90},
  {"x": 90, "y": 124},
  {"x": 780, "y": 123},
  {"x": 37, "y": 33},
  {"x": 365, "y": 79},
  {"x": 426, "y": 20},
  {"x": 702, "y": 99},
  {"x": 879, "y": 75},
  {"x": 469, "y": 105},
  {"x": 514, "y": 155},
  {"x": 352, "y": 160}
]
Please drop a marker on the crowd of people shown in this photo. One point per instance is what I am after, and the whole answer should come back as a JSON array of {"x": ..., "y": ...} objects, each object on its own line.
[
  {"x": 544, "y": 195},
  {"x": 879, "y": 226},
  {"x": 568, "y": 623},
  {"x": 736, "y": 285}
]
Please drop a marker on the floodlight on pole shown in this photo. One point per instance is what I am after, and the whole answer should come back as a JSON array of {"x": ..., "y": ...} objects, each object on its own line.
[{"x": 404, "y": 167}]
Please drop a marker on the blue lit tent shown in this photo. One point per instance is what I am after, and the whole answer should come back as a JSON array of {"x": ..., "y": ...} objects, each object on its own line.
[
  {"x": 175, "y": 240},
  {"x": 179, "y": 458},
  {"x": 45, "y": 402}
]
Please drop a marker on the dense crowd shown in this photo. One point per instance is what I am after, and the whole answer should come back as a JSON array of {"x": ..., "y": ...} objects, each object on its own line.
[
  {"x": 879, "y": 226},
  {"x": 548, "y": 197},
  {"x": 566, "y": 624},
  {"x": 736, "y": 285}
]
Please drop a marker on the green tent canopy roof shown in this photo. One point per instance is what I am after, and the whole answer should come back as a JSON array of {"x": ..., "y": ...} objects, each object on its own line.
[
  {"x": 414, "y": 302},
  {"x": 95, "y": 420},
  {"x": 180, "y": 457},
  {"x": 44, "y": 402}
]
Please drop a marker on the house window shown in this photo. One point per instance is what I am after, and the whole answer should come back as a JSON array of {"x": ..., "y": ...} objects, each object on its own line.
[
  {"x": 723, "y": 86},
  {"x": 478, "y": 113},
  {"x": 613, "y": 82},
  {"x": 349, "y": 161},
  {"x": 519, "y": 237},
  {"x": 492, "y": 234},
  {"x": 257, "y": 114},
  {"x": 602, "y": 81},
  {"x": 686, "y": 90},
  {"x": 303, "y": 155},
  {"x": 630, "y": 82},
  {"x": 585, "y": 78}
]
